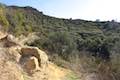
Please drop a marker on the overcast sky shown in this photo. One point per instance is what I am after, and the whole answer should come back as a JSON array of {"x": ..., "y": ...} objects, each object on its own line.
[{"x": 76, "y": 9}]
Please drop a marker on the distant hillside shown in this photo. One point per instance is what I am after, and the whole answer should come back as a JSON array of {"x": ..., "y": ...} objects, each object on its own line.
[{"x": 67, "y": 34}]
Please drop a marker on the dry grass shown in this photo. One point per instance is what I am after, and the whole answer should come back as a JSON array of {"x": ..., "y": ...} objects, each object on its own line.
[{"x": 85, "y": 65}]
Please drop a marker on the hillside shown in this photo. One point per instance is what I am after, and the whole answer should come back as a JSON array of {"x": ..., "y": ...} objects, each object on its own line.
[
  {"x": 74, "y": 34},
  {"x": 68, "y": 42}
]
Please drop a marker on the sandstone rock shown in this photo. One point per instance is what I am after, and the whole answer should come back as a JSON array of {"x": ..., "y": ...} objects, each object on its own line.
[
  {"x": 8, "y": 41},
  {"x": 31, "y": 64},
  {"x": 33, "y": 59},
  {"x": 16, "y": 58},
  {"x": 44, "y": 59},
  {"x": 11, "y": 38},
  {"x": 14, "y": 53},
  {"x": 34, "y": 51}
]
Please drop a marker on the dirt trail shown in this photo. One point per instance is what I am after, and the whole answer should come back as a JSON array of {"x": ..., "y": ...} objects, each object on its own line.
[
  {"x": 56, "y": 73},
  {"x": 52, "y": 72}
]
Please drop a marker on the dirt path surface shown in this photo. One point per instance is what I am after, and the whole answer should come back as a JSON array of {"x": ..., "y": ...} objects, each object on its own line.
[
  {"x": 52, "y": 72},
  {"x": 56, "y": 73}
]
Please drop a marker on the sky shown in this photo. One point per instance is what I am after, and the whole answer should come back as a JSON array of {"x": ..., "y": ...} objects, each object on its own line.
[{"x": 76, "y": 9}]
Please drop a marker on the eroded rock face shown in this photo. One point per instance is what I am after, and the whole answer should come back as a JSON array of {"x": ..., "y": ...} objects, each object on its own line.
[
  {"x": 35, "y": 56},
  {"x": 30, "y": 64},
  {"x": 30, "y": 58}
]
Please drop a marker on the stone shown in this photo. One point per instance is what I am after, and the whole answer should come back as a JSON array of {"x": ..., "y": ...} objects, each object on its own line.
[
  {"x": 8, "y": 41},
  {"x": 35, "y": 52},
  {"x": 31, "y": 65}
]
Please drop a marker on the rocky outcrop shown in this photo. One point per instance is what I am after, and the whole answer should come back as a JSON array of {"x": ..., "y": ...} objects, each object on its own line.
[
  {"x": 8, "y": 41},
  {"x": 28, "y": 39},
  {"x": 30, "y": 64},
  {"x": 33, "y": 55},
  {"x": 10, "y": 71},
  {"x": 19, "y": 62},
  {"x": 30, "y": 58}
]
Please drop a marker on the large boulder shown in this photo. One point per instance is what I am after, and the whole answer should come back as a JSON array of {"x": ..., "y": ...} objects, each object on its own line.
[
  {"x": 30, "y": 64},
  {"x": 33, "y": 58},
  {"x": 28, "y": 39}
]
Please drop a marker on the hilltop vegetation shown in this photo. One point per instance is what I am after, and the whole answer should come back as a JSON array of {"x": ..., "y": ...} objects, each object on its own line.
[
  {"x": 65, "y": 38},
  {"x": 67, "y": 35}
]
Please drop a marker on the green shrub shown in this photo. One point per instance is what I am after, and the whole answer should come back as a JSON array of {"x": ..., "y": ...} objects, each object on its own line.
[{"x": 3, "y": 20}]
